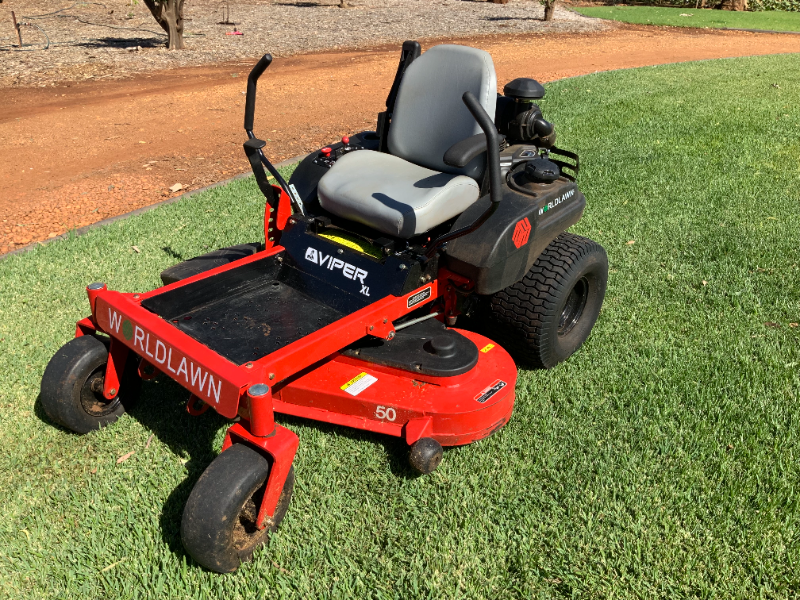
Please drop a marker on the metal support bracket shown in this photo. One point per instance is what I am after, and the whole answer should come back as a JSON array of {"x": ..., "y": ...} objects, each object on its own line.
[
  {"x": 282, "y": 447},
  {"x": 117, "y": 356}
]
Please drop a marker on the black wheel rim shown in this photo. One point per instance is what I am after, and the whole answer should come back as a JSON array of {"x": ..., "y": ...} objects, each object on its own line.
[
  {"x": 573, "y": 307},
  {"x": 246, "y": 534},
  {"x": 93, "y": 402}
]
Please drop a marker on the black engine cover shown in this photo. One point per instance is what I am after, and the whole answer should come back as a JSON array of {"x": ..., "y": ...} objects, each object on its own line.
[{"x": 502, "y": 250}]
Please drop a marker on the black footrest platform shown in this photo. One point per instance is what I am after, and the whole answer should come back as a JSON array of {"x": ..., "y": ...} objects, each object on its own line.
[{"x": 248, "y": 312}]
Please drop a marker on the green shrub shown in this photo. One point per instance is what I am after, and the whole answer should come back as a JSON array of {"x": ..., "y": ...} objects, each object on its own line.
[
  {"x": 753, "y": 5},
  {"x": 787, "y": 5}
]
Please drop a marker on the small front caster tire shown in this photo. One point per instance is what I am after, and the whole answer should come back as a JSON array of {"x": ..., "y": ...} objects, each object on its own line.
[
  {"x": 218, "y": 528},
  {"x": 72, "y": 386},
  {"x": 426, "y": 454}
]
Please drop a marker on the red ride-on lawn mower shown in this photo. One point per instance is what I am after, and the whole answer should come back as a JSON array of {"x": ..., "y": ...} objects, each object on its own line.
[{"x": 457, "y": 205}]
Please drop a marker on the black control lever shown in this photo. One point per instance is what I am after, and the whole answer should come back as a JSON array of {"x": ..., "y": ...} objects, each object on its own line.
[
  {"x": 250, "y": 102},
  {"x": 253, "y": 146}
]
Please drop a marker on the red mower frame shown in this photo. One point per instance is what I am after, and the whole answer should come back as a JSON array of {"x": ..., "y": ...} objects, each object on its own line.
[
  {"x": 309, "y": 378},
  {"x": 331, "y": 321}
]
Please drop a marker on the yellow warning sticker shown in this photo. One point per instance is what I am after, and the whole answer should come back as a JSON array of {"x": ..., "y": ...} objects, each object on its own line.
[
  {"x": 359, "y": 383},
  {"x": 487, "y": 347}
]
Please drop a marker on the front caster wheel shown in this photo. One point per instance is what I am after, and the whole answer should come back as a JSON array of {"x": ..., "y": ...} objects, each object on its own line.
[
  {"x": 426, "y": 454},
  {"x": 218, "y": 528},
  {"x": 72, "y": 386}
]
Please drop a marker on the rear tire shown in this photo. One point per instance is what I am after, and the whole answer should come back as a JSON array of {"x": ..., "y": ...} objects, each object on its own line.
[
  {"x": 70, "y": 384},
  {"x": 218, "y": 528},
  {"x": 206, "y": 262},
  {"x": 544, "y": 318}
]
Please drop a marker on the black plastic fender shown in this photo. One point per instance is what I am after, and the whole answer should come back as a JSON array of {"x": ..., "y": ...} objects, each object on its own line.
[{"x": 504, "y": 248}]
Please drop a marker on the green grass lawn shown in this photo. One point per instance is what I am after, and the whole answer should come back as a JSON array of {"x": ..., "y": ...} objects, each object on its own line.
[
  {"x": 774, "y": 20},
  {"x": 662, "y": 460}
]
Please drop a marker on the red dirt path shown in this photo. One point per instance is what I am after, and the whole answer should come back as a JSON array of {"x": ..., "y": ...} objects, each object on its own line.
[{"x": 80, "y": 153}]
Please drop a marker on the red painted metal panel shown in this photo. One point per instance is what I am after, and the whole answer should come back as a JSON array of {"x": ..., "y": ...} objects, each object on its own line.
[
  {"x": 375, "y": 319},
  {"x": 203, "y": 372},
  {"x": 462, "y": 409},
  {"x": 336, "y": 418},
  {"x": 148, "y": 334},
  {"x": 117, "y": 356},
  {"x": 275, "y": 220},
  {"x": 417, "y": 429},
  {"x": 85, "y": 327}
]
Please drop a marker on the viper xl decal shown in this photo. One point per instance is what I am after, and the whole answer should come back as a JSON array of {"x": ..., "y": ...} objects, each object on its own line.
[
  {"x": 556, "y": 202},
  {"x": 348, "y": 270}
]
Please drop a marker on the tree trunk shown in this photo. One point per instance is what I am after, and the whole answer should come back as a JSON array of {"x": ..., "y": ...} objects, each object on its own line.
[
  {"x": 169, "y": 14},
  {"x": 549, "y": 9},
  {"x": 734, "y": 5}
]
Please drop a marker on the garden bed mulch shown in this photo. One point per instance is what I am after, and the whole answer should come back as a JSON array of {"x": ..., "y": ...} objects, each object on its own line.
[{"x": 118, "y": 38}]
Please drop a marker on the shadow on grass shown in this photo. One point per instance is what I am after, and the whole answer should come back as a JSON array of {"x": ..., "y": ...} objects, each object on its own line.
[
  {"x": 41, "y": 414},
  {"x": 395, "y": 449},
  {"x": 172, "y": 253},
  {"x": 162, "y": 410}
]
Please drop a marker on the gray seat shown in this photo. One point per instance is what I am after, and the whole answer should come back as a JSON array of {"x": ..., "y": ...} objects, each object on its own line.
[{"x": 411, "y": 190}]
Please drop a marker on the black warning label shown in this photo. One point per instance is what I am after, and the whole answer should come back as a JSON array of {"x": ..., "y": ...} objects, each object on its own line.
[{"x": 490, "y": 391}]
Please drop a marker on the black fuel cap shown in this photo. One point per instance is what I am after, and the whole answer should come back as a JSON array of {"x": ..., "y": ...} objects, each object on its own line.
[
  {"x": 542, "y": 170},
  {"x": 522, "y": 87}
]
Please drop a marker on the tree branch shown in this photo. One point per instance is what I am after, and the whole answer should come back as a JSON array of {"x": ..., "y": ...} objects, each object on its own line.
[{"x": 156, "y": 9}]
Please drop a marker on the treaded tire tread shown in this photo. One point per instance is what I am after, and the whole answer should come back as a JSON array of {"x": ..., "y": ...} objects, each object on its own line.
[
  {"x": 524, "y": 316},
  {"x": 215, "y": 503},
  {"x": 66, "y": 374}
]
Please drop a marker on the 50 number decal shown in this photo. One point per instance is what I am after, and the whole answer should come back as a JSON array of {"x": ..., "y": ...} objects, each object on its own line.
[{"x": 386, "y": 412}]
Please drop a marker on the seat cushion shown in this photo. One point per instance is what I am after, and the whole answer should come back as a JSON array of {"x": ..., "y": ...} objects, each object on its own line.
[
  {"x": 392, "y": 195},
  {"x": 430, "y": 114}
]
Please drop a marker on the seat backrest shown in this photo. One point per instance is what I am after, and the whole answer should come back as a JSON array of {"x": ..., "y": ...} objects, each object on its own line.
[{"x": 430, "y": 116}]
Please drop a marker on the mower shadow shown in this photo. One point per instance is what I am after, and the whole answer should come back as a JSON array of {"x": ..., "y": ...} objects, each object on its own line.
[
  {"x": 395, "y": 449},
  {"x": 162, "y": 410},
  {"x": 39, "y": 412}
]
